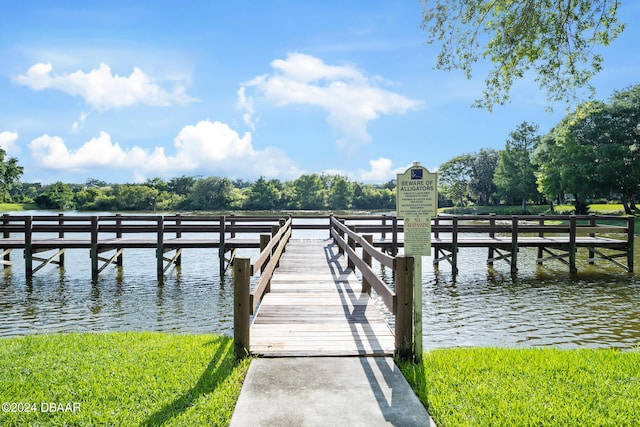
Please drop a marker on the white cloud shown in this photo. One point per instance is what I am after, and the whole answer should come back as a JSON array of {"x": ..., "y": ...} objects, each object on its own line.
[
  {"x": 8, "y": 142},
  {"x": 103, "y": 90},
  {"x": 210, "y": 148},
  {"x": 350, "y": 98},
  {"x": 76, "y": 125},
  {"x": 381, "y": 170},
  {"x": 246, "y": 105}
]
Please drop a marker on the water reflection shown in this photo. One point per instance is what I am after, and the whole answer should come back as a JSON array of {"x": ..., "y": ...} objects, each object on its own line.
[{"x": 481, "y": 306}]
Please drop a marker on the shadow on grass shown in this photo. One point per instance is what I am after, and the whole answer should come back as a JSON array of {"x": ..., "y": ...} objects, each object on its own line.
[{"x": 218, "y": 369}]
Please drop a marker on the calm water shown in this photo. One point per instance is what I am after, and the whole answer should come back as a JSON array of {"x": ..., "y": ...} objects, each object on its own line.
[{"x": 540, "y": 306}]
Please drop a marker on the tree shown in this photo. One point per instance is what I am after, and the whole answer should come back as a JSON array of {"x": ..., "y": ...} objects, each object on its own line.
[
  {"x": 515, "y": 174},
  {"x": 454, "y": 177},
  {"x": 605, "y": 140},
  {"x": 310, "y": 192},
  {"x": 340, "y": 193},
  {"x": 10, "y": 173},
  {"x": 556, "y": 40},
  {"x": 212, "y": 193},
  {"x": 56, "y": 196},
  {"x": 483, "y": 167},
  {"x": 262, "y": 195}
]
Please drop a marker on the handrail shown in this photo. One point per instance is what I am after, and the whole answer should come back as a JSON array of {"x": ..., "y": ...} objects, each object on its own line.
[
  {"x": 381, "y": 288},
  {"x": 273, "y": 256}
]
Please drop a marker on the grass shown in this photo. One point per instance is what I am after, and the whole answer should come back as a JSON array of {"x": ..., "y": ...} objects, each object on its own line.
[
  {"x": 14, "y": 207},
  {"x": 118, "y": 379},
  {"x": 528, "y": 387}
]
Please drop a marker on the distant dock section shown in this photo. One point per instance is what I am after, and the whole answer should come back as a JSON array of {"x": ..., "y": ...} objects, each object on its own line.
[{"x": 45, "y": 239}]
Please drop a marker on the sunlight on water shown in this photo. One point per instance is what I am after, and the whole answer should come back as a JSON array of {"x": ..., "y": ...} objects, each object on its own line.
[{"x": 481, "y": 306}]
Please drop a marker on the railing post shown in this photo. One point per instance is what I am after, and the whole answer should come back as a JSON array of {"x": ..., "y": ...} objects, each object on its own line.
[
  {"x": 394, "y": 237},
  {"x": 160, "y": 247},
  {"x": 540, "y": 234},
  {"x": 264, "y": 241},
  {"x": 28, "y": 250},
  {"x": 120, "y": 258},
  {"x": 6, "y": 235},
  {"x": 403, "y": 267},
  {"x": 572, "y": 244},
  {"x": 366, "y": 257},
  {"x": 221, "y": 249},
  {"x": 514, "y": 244},
  {"x": 94, "y": 248},
  {"x": 492, "y": 234},
  {"x": 592, "y": 254},
  {"x": 61, "y": 236},
  {"x": 630, "y": 237},
  {"x": 454, "y": 245},
  {"x": 241, "y": 307},
  {"x": 352, "y": 245},
  {"x": 178, "y": 260},
  {"x": 341, "y": 234}
]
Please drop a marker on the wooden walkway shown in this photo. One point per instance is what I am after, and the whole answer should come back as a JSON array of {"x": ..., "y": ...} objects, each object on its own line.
[{"x": 316, "y": 307}]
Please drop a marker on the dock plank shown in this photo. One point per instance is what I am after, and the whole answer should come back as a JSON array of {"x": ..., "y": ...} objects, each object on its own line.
[{"x": 316, "y": 307}]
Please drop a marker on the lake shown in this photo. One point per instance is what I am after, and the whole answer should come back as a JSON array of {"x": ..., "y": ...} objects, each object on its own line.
[{"x": 481, "y": 306}]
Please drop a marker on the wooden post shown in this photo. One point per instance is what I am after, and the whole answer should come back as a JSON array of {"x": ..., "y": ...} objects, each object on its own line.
[
  {"x": 274, "y": 231},
  {"x": 630, "y": 237},
  {"x": 352, "y": 244},
  {"x": 366, "y": 257},
  {"x": 592, "y": 254},
  {"x": 394, "y": 237},
  {"x": 514, "y": 244},
  {"x": 341, "y": 234},
  {"x": 241, "y": 307},
  {"x": 178, "y": 260},
  {"x": 93, "y": 252},
  {"x": 6, "y": 235},
  {"x": 403, "y": 271},
  {"x": 160, "y": 248},
  {"x": 454, "y": 245},
  {"x": 61, "y": 236},
  {"x": 572, "y": 244},
  {"x": 383, "y": 234},
  {"x": 28, "y": 250},
  {"x": 221, "y": 248},
  {"x": 120, "y": 258},
  {"x": 436, "y": 235},
  {"x": 540, "y": 234},
  {"x": 492, "y": 234},
  {"x": 264, "y": 241}
]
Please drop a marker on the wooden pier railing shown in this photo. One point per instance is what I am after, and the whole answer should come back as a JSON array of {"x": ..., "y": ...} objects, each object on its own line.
[{"x": 398, "y": 302}]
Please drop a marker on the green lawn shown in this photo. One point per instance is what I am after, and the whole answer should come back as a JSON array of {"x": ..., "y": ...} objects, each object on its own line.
[
  {"x": 528, "y": 387},
  {"x": 119, "y": 379}
]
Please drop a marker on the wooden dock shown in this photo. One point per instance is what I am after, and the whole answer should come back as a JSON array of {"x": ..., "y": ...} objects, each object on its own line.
[{"x": 317, "y": 307}]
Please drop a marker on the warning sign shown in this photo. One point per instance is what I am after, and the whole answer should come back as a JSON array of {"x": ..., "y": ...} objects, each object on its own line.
[
  {"x": 417, "y": 235},
  {"x": 417, "y": 192}
]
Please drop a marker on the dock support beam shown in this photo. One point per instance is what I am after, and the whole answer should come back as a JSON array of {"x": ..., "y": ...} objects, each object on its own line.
[{"x": 241, "y": 307}]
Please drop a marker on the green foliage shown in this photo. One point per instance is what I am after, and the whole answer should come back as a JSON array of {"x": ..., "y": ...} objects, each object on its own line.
[
  {"x": 525, "y": 387},
  {"x": 146, "y": 379},
  {"x": 594, "y": 151},
  {"x": 212, "y": 193},
  {"x": 10, "y": 174},
  {"x": 515, "y": 174},
  {"x": 56, "y": 196},
  {"x": 557, "y": 41},
  {"x": 455, "y": 176}
]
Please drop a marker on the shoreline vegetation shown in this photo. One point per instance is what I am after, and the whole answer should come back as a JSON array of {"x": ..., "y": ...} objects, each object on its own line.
[{"x": 153, "y": 378}]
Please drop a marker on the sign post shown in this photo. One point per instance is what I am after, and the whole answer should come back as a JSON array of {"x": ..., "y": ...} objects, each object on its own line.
[{"x": 416, "y": 203}]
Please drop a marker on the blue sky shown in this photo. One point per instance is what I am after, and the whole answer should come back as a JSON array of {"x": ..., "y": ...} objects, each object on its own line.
[{"x": 126, "y": 91}]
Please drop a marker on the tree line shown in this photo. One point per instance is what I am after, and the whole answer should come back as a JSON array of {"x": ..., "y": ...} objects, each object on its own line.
[
  {"x": 311, "y": 192},
  {"x": 592, "y": 154}
]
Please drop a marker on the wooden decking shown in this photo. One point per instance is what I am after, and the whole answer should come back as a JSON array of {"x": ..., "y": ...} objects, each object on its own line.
[{"x": 316, "y": 307}]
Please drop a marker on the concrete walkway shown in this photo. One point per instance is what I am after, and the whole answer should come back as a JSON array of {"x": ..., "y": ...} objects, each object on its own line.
[{"x": 327, "y": 391}]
